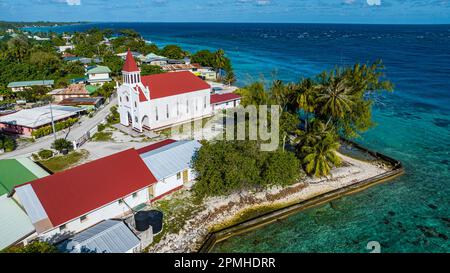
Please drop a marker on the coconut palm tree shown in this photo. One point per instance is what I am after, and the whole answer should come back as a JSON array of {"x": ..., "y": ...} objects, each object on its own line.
[
  {"x": 317, "y": 148},
  {"x": 320, "y": 156},
  {"x": 306, "y": 98},
  {"x": 335, "y": 98}
]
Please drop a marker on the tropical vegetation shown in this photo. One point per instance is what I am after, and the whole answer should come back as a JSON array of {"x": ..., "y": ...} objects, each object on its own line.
[
  {"x": 33, "y": 247},
  {"x": 334, "y": 104},
  {"x": 48, "y": 129},
  {"x": 223, "y": 167},
  {"x": 62, "y": 144},
  {"x": 7, "y": 143}
]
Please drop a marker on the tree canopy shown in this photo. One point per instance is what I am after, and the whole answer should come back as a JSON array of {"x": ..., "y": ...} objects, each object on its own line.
[
  {"x": 336, "y": 103},
  {"x": 227, "y": 166}
]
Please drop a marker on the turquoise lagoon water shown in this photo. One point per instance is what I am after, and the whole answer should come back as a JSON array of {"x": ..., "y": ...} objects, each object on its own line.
[{"x": 408, "y": 214}]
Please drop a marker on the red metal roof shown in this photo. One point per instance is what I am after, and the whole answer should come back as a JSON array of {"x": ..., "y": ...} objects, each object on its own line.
[
  {"x": 73, "y": 193},
  {"x": 220, "y": 98},
  {"x": 155, "y": 146},
  {"x": 142, "y": 97},
  {"x": 173, "y": 83},
  {"x": 130, "y": 64}
]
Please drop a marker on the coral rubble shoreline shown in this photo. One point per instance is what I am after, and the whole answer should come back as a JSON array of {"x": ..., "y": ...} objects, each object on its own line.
[{"x": 217, "y": 219}]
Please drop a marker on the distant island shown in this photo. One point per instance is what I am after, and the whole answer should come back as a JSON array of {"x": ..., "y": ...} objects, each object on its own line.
[{"x": 6, "y": 24}]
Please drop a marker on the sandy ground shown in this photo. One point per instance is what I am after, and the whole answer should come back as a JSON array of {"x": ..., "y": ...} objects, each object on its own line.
[{"x": 223, "y": 209}]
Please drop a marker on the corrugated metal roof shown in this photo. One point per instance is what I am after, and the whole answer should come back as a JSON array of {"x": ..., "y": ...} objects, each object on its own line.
[
  {"x": 110, "y": 236},
  {"x": 14, "y": 223},
  {"x": 98, "y": 70},
  {"x": 30, "y": 83},
  {"x": 170, "y": 159},
  {"x": 39, "y": 116},
  {"x": 31, "y": 203}
]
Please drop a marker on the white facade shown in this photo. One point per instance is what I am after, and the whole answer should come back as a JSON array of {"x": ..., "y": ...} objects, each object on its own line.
[
  {"x": 62, "y": 49},
  {"x": 111, "y": 210},
  {"x": 137, "y": 109},
  {"x": 99, "y": 77},
  {"x": 225, "y": 105}
]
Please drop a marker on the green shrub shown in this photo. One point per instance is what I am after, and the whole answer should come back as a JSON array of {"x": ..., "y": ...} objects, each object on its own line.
[
  {"x": 7, "y": 143},
  {"x": 34, "y": 247},
  {"x": 114, "y": 117},
  {"x": 47, "y": 130},
  {"x": 45, "y": 154},
  {"x": 62, "y": 144},
  {"x": 226, "y": 166},
  {"x": 101, "y": 127}
]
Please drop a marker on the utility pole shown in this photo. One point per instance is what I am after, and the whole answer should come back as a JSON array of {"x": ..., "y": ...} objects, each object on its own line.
[{"x": 53, "y": 122}]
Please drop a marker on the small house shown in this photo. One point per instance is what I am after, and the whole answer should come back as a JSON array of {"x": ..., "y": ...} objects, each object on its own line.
[
  {"x": 98, "y": 75},
  {"x": 25, "y": 85},
  {"x": 72, "y": 91}
]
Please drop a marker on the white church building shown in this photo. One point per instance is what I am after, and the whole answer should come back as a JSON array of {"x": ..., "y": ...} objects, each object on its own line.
[{"x": 161, "y": 100}]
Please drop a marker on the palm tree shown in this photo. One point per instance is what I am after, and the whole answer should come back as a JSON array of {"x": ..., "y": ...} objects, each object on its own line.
[
  {"x": 306, "y": 98},
  {"x": 321, "y": 156},
  {"x": 219, "y": 60},
  {"x": 317, "y": 148},
  {"x": 335, "y": 98}
]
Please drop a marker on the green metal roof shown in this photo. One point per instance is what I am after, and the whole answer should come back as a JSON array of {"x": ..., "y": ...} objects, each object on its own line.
[
  {"x": 14, "y": 172},
  {"x": 30, "y": 83},
  {"x": 99, "y": 69},
  {"x": 92, "y": 88},
  {"x": 14, "y": 223}
]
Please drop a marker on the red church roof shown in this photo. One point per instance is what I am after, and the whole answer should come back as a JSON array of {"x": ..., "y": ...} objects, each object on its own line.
[
  {"x": 130, "y": 64},
  {"x": 220, "y": 98},
  {"x": 73, "y": 193},
  {"x": 173, "y": 83},
  {"x": 142, "y": 97}
]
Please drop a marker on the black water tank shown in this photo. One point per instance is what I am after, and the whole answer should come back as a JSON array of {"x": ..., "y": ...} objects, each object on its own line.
[
  {"x": 155, "y": 219},
  {"x": 141, "y": 221}
]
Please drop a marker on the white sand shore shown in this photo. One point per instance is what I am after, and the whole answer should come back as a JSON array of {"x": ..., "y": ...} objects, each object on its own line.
[{"x": 220, "y": 210}]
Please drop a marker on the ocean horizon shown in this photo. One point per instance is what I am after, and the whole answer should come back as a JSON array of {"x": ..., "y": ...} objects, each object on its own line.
[{"x": 407, "y": 214}]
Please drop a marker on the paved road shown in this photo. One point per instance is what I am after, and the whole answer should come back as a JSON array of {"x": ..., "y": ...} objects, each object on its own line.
[{"x": 75, "y": 133}]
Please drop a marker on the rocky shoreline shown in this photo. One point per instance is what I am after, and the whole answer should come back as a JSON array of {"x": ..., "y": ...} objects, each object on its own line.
[{"x": 223, "y": 211}]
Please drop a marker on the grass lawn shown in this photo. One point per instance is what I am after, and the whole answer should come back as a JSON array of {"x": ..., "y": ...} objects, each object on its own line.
[
  {"x": 63, "y": 162},
  {"x": 102, "y": 136}
]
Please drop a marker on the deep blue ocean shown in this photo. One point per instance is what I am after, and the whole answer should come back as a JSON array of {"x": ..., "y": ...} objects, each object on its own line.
[{"x": 408, "y": 214}]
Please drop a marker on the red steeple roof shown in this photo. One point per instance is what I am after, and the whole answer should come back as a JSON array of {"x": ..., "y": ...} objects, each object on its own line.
[{"x": 130, "y": 64}]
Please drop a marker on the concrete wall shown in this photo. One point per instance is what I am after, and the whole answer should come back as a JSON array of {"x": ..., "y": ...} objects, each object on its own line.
[
  {"x": 100, "y": 76},
  {"x": 226, "y": 105}
]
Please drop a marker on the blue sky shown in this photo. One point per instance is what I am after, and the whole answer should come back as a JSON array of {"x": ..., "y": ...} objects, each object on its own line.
[{"x": 306, "y": 11}]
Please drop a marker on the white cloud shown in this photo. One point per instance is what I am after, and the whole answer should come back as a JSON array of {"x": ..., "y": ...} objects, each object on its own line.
[{"x": 374, "y": 2}]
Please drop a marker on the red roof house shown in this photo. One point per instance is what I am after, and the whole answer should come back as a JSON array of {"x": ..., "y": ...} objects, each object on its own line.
[
  {"x": 56, "y": 199},
  {"x": 221, "y": 98}
]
